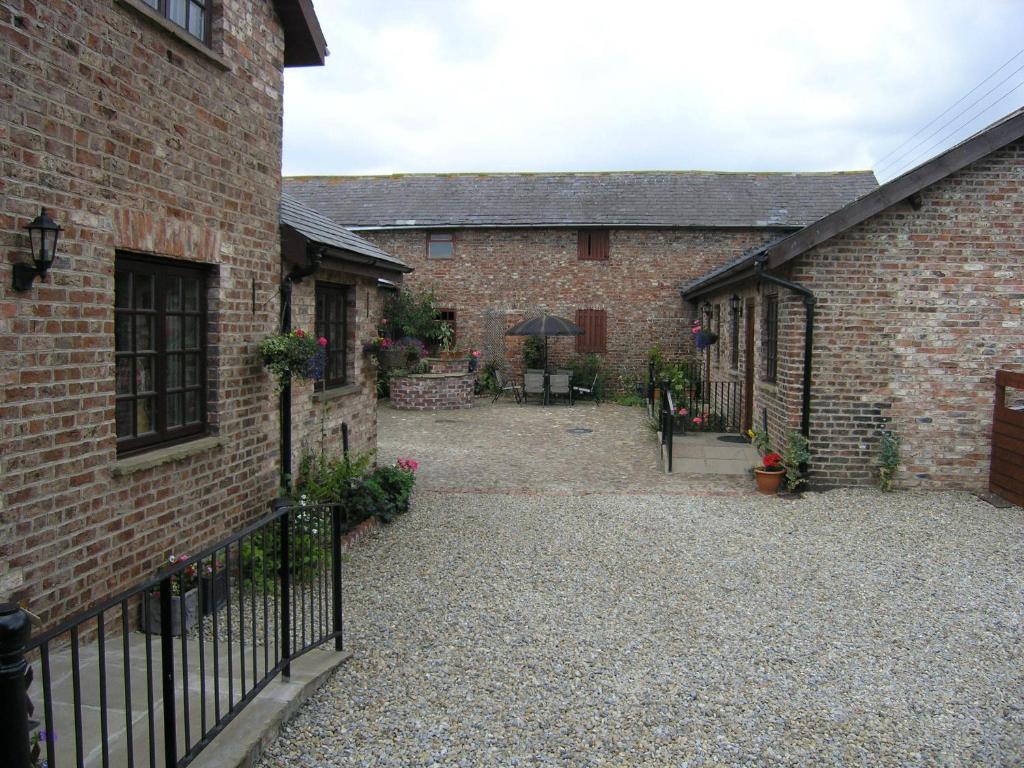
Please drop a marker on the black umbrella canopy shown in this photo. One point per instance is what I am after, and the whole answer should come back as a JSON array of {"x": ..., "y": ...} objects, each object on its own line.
[{"x": 545, "y": 325}]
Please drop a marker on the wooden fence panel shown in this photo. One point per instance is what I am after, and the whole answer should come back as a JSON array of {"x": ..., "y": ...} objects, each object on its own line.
[{"x": 1006, "y": 474}]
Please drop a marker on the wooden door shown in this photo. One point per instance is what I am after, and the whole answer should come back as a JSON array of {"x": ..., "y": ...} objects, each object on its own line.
[
  {"x": 1006, "y": 474},
  {"x": 748, "y": 368}
]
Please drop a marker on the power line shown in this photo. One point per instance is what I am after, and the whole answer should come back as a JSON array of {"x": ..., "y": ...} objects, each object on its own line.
[
  {"x": 956, "y": 116},
  {"x": 949, "y": 108},
  {"x": 971, "y": 119}
]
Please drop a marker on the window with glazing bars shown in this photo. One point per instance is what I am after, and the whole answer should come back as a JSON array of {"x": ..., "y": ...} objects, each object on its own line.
[
  {"x": 332, "y": 304},
  {"x": 718, "y": 332},
  {"x": 770, "y": 339},
  {"x": 159, "y": 352},
  {"x": 191, "y": 15},
  {"x": 734, "y": 338}
]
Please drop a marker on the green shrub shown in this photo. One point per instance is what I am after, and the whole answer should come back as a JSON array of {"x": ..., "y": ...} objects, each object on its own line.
[
  {"x": 413, "y": 312},
  {"x": 533, "y": 352},
  {"x": 796, "y": 453},
  {"x": 888, "y": 460}
]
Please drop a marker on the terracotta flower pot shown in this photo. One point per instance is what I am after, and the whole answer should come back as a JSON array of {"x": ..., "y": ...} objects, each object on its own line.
[{"x": 768, "y": 481}]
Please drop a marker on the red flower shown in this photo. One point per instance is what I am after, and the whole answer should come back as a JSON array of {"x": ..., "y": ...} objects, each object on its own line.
[
  {"x": 323, "y": 341},
  {"x": 299, "y": 332},
  {"x": 772, "y": 460}
]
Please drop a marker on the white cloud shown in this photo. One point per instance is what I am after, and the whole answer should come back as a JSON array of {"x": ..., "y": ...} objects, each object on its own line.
[{"x": 480, "y": 85}]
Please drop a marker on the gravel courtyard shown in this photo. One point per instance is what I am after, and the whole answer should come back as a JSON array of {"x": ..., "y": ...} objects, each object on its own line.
[{"x": 562, "y": 626}]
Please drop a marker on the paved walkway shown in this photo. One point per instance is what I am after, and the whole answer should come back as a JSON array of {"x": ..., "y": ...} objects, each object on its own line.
[
  {"x": 566, "y": 618},
  {"x": 585, "y": 448}
]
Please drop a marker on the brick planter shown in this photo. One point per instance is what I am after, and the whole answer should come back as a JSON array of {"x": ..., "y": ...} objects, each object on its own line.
[
  {"x": 432, "y": 391},
  {"x": 448, "y": 365}
]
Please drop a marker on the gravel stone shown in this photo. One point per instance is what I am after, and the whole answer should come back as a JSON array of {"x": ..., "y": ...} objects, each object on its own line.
[{"x": 576, "y": 621}]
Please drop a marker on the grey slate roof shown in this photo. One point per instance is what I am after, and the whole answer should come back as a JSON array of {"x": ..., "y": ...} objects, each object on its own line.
[
  {"x": 649, "y": 198},
  {"x": 320, "y": 229}
]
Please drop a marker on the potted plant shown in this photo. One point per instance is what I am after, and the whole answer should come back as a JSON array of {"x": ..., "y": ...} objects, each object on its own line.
[
  {"x": 183, "y": 591},
  {"x": 769, "y": 475},
  {"x": 213, "y": 586},
  {"x": 296, "y": 354},
  {"x": 795, "y": 456}
]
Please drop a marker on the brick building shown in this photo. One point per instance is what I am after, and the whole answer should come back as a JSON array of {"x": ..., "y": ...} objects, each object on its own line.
[
  {"x": 607, "y": 249},
  {"x": 918, "y": 296},
  {"x": 137, "y": 419}
]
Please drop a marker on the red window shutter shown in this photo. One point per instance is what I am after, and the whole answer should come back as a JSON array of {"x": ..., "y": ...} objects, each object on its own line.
[
  {"x": 592, "y": 245},
  {"x": 594, "y": 323},
  {"x": 583, "y": 245}
]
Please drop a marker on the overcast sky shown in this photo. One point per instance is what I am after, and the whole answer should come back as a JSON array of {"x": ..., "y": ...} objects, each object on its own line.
[{"x": 475, "y": 85}]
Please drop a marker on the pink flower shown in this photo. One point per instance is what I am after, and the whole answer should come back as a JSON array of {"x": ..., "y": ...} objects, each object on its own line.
[
  {"x": 384, "y": 321},
  {"x": 698, "y": 420},
  {"x": 323, "y": 341},
  {"x": 683, "y": 411},
  {"x": 695, "y": 329},
  {"x": 386, "y": 344},
  {"x": 476, "y": 353},
  {"x": 299, "y": 332}
]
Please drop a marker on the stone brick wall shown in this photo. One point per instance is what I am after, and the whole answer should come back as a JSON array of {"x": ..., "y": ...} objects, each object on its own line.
[
  {"x": 432, "y": 392},
  {"x": 133, "y": 140},
  {"x": 916, "y": 311},
  {"x": 501, "y": 276}
]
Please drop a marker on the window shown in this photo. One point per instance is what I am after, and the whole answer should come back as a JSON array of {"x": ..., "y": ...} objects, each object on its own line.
[
  {"x": 594, "y": 323},
  {"x": 159, "y": 351},
  {"x": 440, "y": 245},
  {"x": 734, "y": 333},
  {"x": 592, "y": 245},
  {"x": 447, "y": 316},
  {"x": 332, "y": 305},
  {"x": 191, "y": 15},
  {"x": 718, "y": 332},
  {"x": 770, "y": 339}
]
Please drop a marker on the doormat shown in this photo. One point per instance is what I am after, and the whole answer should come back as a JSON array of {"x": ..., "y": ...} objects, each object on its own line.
[
  {"x": 733, "y": 439},
  {"x": 579, "y": 431}
]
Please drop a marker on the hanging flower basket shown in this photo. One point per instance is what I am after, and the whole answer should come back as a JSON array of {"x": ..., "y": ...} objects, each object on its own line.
[{"x": 297, "y": 355}]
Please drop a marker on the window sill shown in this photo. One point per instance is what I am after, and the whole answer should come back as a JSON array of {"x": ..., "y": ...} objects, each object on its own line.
[
  {"x": 161, "y": 456},
  {"x": 174, "y": 30},
  {"x": 333, "y": 394}
]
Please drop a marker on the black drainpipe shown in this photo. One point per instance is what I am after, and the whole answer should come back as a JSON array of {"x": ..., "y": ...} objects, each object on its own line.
[
  {"x": 809, "y": 301},
  {"x": 285, "y": 398}
]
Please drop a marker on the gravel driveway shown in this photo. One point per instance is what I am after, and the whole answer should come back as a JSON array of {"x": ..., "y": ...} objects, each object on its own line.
[{"x": 671, "y": 629}]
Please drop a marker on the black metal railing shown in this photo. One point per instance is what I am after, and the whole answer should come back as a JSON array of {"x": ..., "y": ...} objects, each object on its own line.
[
  {"x": 226, "y": 621},
  {"x": 717, "y": 406}
]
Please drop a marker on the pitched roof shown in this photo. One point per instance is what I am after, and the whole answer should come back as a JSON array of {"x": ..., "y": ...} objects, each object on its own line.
[
  {"x": 319, "y": 229},
  {"x": 649, "y": 198},
  {"x": 304, "y": 44},
  {"x": 775, "y": 254}
]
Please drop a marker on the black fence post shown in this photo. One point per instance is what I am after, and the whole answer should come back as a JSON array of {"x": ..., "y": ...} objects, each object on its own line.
[
  {"x": 14, "y": 634},
  {"x": 336, "y": 576},
  {"x": 286, "y": 610},
  {"x": 650, "y": 387},
  {"x": 167, "y": 673}
]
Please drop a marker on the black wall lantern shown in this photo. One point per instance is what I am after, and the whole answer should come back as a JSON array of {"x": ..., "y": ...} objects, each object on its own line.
[
  {"x": 43, "y": 233},
  {"x": 736, "y": 305}
]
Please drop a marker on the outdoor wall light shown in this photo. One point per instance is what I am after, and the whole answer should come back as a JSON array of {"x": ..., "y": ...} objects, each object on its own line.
[
  {"x": 43, "y": 232},
  {"x": 736, "y": 305}
]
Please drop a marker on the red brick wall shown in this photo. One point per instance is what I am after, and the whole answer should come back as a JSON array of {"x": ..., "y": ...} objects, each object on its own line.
[
  {"x": 317, "y": 416},
  {"x": 432, "y": 392},
  {"x": 916, "y": 311},
  {"x": 510, "y": 273},
  {"x": 133, "y": 140}
]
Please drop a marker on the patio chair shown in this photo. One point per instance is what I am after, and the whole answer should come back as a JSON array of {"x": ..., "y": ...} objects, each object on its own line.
[
  {"x": 558, "y": 384},
  {"x": 533, "y": 384},
  {"x": 590, "y": 391},
  {"x": 506, "y": 384}
]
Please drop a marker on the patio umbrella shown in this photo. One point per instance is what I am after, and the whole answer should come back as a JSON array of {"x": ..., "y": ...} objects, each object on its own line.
[{"x": 545, "y": 325}]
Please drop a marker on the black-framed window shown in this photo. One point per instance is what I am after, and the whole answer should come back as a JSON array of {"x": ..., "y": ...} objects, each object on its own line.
[
  {"x": 718, "y": 332},
  {"x": 592, "y": 244},
  {"x": 770, "y": 339},
  {"x": 191, "y": 15},
  {"x": 734, "y": 334},
  {"x": 449, "y": 318},
  {"x": 440, "y": 245},
  {"x": 159, "y": 351},
  {"x": 332, "y": 307}
]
